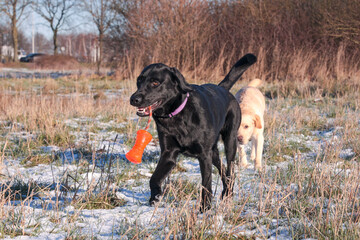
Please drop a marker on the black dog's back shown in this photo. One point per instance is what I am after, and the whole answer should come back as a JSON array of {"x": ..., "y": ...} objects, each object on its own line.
[{"x": 215, "y": 101}]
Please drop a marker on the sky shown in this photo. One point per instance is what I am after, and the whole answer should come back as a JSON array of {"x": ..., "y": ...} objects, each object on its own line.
[{"x": 78, "y": 23}]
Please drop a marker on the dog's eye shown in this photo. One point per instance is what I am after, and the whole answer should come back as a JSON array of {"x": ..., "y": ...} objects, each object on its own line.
[
  {"x": 154, "y": 83},
  {"x": 246, "y": 126}
]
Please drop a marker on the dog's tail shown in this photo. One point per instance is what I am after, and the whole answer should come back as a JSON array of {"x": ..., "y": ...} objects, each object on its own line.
[
  {"x": 237, "y": 70},
  {"x": 255, "y": 83}
]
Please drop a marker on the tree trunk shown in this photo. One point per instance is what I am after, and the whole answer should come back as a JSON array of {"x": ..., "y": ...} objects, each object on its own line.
[
  {"x": 55, "y": 43},
  {"x": 101, "y": 37},
  {"x": 14, "y": 38}
]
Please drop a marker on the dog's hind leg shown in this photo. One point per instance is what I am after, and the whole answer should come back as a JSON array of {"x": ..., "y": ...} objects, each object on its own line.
[
  {"x": 230, "y": 143},
  {"x": 229, "y": 137},
  {"x": 230, "y": 152},
  {"x": 219, "y": 165}
]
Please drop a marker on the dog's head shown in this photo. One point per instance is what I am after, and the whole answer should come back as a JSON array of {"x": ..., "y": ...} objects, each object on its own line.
[
  {"x": 249, "y": 122},
  {"x": 158, "y": 86}
]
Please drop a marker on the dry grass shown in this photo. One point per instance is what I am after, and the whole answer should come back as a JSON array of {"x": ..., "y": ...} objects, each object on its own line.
[{"x": 43, "y": 110}]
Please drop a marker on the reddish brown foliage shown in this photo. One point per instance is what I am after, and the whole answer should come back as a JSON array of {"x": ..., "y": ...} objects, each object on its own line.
[
  {"x": 204, "y": 38},
  {"x": 57, "y": 62}
]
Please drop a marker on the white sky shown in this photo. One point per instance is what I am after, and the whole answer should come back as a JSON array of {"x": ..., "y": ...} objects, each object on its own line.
[{"x": 78, "y": 24}]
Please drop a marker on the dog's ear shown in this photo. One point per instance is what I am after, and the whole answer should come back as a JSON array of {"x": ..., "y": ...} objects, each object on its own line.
[
  {"x": 257, "y": 122},
  {"x": 179, "y": 78}
]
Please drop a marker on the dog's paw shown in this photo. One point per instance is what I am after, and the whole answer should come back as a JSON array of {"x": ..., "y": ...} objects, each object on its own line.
[
  {"x": 204, "y": 207},
  {"x": 154, "y": 200},
  {"x": 244, "y": 164},
  {"x": 226, "y": 194},
  {"x": 243, "y": 161},
  {"x": 258, "y": 167}
]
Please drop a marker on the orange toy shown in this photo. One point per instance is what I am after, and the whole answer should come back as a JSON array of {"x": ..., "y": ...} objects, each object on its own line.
[{"x": 143, "y": 138}]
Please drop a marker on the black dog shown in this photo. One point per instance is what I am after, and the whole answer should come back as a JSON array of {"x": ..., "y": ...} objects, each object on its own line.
[{"x": 189, "y": 120}]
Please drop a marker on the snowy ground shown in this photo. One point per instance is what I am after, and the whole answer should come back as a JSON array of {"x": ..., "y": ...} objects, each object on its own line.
[{"x": 52, "y": 214}]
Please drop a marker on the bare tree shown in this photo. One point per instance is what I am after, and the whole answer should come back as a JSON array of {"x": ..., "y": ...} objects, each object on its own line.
[
  {"x": 56, "y": 13},
  {"x": 102, "y": 15},
  {"x": 14, "y": 9}
]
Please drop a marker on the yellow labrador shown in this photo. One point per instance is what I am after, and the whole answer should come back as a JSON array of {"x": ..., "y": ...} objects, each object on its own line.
[{"x": 252, "y": 105}]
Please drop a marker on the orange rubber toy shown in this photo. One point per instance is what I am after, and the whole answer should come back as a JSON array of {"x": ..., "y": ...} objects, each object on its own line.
[{"x": 143, "y": 138}]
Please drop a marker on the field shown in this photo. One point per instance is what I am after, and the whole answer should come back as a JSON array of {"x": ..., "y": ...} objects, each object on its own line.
[{"x": 64, "y": 174}]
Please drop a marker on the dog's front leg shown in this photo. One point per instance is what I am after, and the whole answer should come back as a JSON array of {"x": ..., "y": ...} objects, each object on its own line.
[
  {"x": 242, "y": 156},
  {"x": 206, "y": 171},
  {"x": 163, "y": 168},
  {"x": 259, "y": 144},
  {"x": 253, "y": 148}
]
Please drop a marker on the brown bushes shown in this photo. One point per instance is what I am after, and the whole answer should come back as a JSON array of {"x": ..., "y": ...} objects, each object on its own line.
[
  {"x": 293, "y": 39},
  {"x": 57, "y": 62}
]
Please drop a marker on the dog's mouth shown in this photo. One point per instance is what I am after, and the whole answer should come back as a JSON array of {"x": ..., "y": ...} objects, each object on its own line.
[{"x": 145, "y": 111}]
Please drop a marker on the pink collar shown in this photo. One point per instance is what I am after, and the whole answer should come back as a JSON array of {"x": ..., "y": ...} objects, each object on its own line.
[{"x": 180, "y": 108}]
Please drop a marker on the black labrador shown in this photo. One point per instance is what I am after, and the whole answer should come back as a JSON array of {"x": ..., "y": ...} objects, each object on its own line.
[{"x": 189, "y": 120}]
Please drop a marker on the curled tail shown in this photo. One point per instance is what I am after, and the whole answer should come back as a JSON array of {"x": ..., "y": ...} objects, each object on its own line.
[
  {"x": 255, "y": 83},
  {"x": 237, "y": 70}
]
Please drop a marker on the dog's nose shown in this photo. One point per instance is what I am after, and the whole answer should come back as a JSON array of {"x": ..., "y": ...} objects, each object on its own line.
[
  {"x": 135, "y": 100},
  {"x": 240, "y": 139}
]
